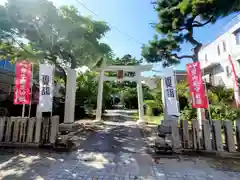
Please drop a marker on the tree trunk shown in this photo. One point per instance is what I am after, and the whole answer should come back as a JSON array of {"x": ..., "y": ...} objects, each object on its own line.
[{"x": 73, "y": 62}]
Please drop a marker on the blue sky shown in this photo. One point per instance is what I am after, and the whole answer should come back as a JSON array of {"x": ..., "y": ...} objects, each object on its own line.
[{"x": 132, "y": 17}]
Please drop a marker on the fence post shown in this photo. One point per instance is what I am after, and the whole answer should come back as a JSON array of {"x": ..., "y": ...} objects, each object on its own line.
[
  {"x": 30, "y": 132},
  {"x": 175, "y": 136},
  {"x": 196, "y": 134},
  {"x": 8, "y": 130},
  {"x": 206, "y": 136},
  {"x": 238, "y": 133},
  {"x": 2, "y": 126},
  {"x": 22, "y": 130},
  {"x": 16, "y": 129},
  {"x": 38, "y": 129},
  {"x": 54, "y": 129},
  {"x": 185, "y": 134},
  {"x": 218, "y": 135},
  {"x": 229, "y": 138}
]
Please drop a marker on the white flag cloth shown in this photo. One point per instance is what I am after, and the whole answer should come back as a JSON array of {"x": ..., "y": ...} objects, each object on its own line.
[
  {"x": 169, "y": 87},
  {"x": 45, "y": 88}
]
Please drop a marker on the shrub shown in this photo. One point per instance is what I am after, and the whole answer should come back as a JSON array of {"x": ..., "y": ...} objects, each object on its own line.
[{"x": 152, "y": 109}]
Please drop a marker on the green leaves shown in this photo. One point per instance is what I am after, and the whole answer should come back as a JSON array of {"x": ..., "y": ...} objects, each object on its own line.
[
  {"x": 73, "y": 40},
  {"x": 161, "y": 50}
]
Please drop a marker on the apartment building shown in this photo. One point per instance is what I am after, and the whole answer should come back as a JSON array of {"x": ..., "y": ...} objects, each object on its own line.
[{"x": 213, "y": 57}]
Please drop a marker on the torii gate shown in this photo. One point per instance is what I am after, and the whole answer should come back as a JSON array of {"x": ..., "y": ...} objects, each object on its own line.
[{"x": 121, "y": 69}]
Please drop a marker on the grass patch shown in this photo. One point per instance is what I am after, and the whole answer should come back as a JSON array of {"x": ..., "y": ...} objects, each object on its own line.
[
  {"x": 154, "y": 119},
  {"x": 150, "y": 119}
]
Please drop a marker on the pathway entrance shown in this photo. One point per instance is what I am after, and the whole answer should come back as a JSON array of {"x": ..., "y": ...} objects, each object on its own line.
[{"x": 121, "y": 70}]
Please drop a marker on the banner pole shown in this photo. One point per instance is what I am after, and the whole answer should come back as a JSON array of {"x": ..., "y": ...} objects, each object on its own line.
[
  {"x": 206, "y": 94},
  {"x": 23, "y": 110},
  {"x": 30, "y": 104},
  {"x": 177, "y": 98},
  {"x": 209, "y": 109}
]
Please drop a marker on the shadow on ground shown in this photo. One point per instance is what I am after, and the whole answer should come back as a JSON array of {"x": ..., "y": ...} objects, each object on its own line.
[{"x": 108, "y": 150}]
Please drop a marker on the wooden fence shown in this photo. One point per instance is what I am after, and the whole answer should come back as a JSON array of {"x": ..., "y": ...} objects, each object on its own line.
[
  {"x": 18, "y": 131},
  {"x": 220, "y": 136}
]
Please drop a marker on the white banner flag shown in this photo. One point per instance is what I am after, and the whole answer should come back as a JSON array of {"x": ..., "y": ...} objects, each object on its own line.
[
  {"x": 45, "y": 88},
  {"x": 170, "y": 93}
]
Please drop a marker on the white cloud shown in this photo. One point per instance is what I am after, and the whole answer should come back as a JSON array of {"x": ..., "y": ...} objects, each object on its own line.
[{"x": 2, "y": 2}]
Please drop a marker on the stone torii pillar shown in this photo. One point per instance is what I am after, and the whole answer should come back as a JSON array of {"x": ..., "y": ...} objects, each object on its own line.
[
  {"x": 100, "y": 96},
  {"x": 70, "y": 97},
  {"x": 140, "y": 98}
]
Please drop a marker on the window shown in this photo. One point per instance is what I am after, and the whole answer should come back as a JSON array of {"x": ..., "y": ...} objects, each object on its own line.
[
  {"x": 237, "y": 36},
  {"x": 218, "y": 50},
  {"x": 224, "y": 46},
  {"x": 206, "y": 59},
  {"x": 228, "y": 71},
  {"x": 211, "y": 78}
]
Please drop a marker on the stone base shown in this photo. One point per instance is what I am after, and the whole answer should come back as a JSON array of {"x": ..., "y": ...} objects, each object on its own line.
[
  {"x": 140, "y": 121},
  {"x": 166, "y": 123},
  {"x": 67, "y": 127},
  {"x": 96, "y": 120}
]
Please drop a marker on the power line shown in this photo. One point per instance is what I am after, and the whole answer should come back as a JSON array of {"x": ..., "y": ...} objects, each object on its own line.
[{"x": 110, "y": 25}]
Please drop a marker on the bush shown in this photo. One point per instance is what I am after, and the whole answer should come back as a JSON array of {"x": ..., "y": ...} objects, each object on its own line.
[
  {"x": 218, "y": 112},
  {"x": 188, "y": 113},
  {"x": 152, "y": 109},
  {"x": 223, "y": 112}
]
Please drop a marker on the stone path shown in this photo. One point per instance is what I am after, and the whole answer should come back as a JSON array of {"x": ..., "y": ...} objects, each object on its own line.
[{"x": 115, "y": 153}]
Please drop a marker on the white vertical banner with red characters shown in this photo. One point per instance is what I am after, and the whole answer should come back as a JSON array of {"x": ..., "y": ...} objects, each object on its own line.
[
  {"x": 23, "y": 82},
  {"x": 235, "y": 82},
  {"x": 196, "y": 86}
]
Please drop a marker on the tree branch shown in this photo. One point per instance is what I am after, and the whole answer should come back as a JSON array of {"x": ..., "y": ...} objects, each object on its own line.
[
  {"x": 197, "y": 47},
  {"x": 198, "y": 24},
  {"x": 182, "y": 57}
]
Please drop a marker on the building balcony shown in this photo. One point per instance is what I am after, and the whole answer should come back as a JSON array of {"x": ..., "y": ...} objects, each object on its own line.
[{"x": 214, "y": 81}]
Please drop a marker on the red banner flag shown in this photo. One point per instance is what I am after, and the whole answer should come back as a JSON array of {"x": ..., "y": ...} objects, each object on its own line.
[
  {"x": 196, "y": 86},
  {"x": 23, "y": 82}
]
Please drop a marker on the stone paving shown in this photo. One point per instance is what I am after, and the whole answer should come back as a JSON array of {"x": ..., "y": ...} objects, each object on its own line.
[
  {"x": 108, "y": 166},
  {"x": 167, "y": 169}
]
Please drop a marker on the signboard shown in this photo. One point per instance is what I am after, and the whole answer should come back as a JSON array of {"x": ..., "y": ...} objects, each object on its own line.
[
  {"x": 170, "y": 94},
  {"x": 196, "y": 86},
  {"x": 23, "y": 82},
  {"x": 45, "y": 88}
]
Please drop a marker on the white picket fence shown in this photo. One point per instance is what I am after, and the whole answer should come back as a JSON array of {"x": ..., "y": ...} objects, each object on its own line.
[
  {"x": 18, "y": 131},
  {"x": 221, "y": 136}
]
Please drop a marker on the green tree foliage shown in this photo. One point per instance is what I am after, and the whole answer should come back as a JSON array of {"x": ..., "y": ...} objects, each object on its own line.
[
  {"x": 224, "y": 112},
  {"x": 8, "y": 51},
  {"x": 87, "y": 90},
  {"x": 220, "y": 100},
  {"x": 221, "y": 95},
  {"x": 177, "y": 21},
  {"x": 157, "y": 93},
  {"x": 150, "y": 105},
  {"x": 188, "y": 113},
  {"x": 62, "y": 36}
]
